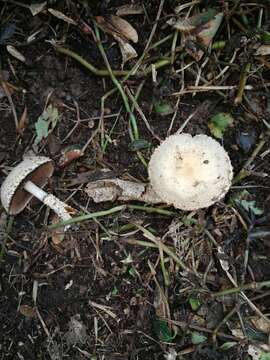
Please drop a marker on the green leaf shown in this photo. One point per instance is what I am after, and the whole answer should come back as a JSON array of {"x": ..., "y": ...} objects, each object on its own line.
[
  {"x": 197, "y": 338},
  {"x": 163, "y": 109},
  {"x": 265, "y": 356},
  {"x": 219, "y": 123},
  {"x": 42, "y": 129},
  {"x": 194, "y": 303},
  {"x": 242, "y": 199},
  {"x": 265, "y": 37},
  {"x": 132, "y": 272},
  {"x": 251, "y": 206},
  {"x": 139, "y": 144},
  {"x": 46, "y": 123},
  {"x": 114, "y": 291},
  {"x": 162, "y": 330},
  {"x": 228, "y": 345}
]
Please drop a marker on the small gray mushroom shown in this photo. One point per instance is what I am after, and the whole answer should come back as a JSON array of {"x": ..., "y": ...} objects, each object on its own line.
[{"x": 27, "y": 180}]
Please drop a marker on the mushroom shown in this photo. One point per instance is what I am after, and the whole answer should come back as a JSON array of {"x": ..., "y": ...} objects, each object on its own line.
[
  {"x": 27, "y": 180},
  {"x": 187, "y": 172},
  {"x": 190, "y": 172}
]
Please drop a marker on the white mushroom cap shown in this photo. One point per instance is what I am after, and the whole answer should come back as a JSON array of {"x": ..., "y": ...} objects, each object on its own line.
[
  {"x": 190, "y": 172},
  {"x": 35, "y": 168}
]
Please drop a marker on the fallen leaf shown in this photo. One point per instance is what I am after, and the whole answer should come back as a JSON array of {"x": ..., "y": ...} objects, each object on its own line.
[
  {"x": 264, "y": 356},
  {"x": 15, "y": 53},
  {"x": 162, "y": 108},
  {"x": 57, "y": 235},
  {"x": 195, "y": 303},
  {"x": 244, "y": 199},
  {"x": 116, "y": 26},
  {"x": 260, "y": 324},
  {"x": 198, "y": 29},
  {"x": 23, "y": 122},
  {"x": 27, "y": 311},
  {"x": 265, "y": 37},
  {"x": 197, "y": 338},
  {"x": 77, "y": 333},
  {"x": 61, "y": 16},
  {"x": 263, "y": 50},
  {"x": 251, "y": 206},
  {"x": 37, "y": 8},
  {"x": 129, "y": 9},
  {"x": 69, "y": 154},
  {"x": 228, "y": 345},
  {"x": 219, "y": 123},
  {"x": 139, "y": 144},
  {"x": 162, "y": 330},
  {"x": 46, "y": 123},
  {"x": 127, "y": 51}
]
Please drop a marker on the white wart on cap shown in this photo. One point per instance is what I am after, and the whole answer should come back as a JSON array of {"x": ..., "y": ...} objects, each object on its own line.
[{"x": 190, "y": 172}]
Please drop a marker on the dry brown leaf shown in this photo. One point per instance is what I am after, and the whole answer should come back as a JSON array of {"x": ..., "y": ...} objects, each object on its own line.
[
  {"x": 57, "y": 235},
  {"x": 263, "y": 50},
  {"x": 37, "y": 8},
  {"x": 61, "y": 16},
  {"x": 23, "y": 122},
  {"x": 129, "y": 9},
  {"x": 116, "y": 26},
  {"x": 128, "y": 52},
  {"x": 15, "y": 53},
  {"x": 261, "y": 324},
  {"x": 198, "y": 29},
  {"x": 27, "y": 311},
  {"x": 69, "y": 154}
]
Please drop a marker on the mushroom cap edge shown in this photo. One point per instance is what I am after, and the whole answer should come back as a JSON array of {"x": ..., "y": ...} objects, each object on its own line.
[{"x": 18, "y": 175}]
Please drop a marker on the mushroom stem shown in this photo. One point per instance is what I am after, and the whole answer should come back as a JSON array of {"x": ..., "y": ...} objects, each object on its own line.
[{"x": 59, "y": 207}]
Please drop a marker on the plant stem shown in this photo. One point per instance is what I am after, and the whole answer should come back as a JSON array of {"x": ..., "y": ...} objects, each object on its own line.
[
  {"x": 242, "y": 84},
  {"x": 85, "y": 217},
  {"x": 88, "y": 65},
  {"x": 251, "y": 286},
  {"x": 165, "y": 248},
  {"x": 97, "y": 214}
]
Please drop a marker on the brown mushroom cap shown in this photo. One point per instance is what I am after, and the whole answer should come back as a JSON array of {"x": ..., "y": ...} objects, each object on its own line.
[
  {"x": 37, "y": 169},
  {"x": 190, "y": 172}
]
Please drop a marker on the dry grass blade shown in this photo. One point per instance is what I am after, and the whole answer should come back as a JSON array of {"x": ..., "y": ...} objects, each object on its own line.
[
  {"x": 23, "y": 122},
  {"x": 129, "y": 9},
  {"x": 106, "y": 309}
]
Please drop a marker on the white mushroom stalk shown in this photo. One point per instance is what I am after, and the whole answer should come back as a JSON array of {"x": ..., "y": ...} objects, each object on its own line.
[
  {"x": 187, "y": 172},
  {"x": 27, "y": 180},
  {"x": 48, "y": 199}
]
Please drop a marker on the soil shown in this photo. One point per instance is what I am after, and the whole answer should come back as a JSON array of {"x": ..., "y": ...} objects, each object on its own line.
[{"x": 95, "y": 295}]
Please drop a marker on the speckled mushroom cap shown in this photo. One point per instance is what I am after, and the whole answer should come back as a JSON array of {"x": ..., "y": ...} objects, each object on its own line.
[
  {"x": 190, "y": 172},
  {"x": 38, "y": 169}
]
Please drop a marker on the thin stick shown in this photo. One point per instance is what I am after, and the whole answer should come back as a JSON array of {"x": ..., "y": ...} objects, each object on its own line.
[{"x": 242, "y": 84}]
